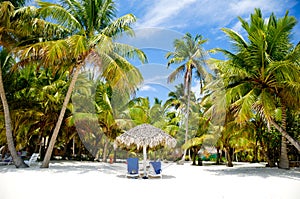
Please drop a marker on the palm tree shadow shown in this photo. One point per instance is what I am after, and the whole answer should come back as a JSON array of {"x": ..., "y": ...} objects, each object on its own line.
[
  {"x": 163, "y": 177},
  {"x": 263, "y": 172}
]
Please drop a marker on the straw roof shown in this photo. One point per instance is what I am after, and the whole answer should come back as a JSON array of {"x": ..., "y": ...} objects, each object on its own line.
[{"x": 144, "y": 134}]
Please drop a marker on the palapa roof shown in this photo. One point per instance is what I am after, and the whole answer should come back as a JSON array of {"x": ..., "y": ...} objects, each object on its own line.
[{"x": 145, "y": 134}]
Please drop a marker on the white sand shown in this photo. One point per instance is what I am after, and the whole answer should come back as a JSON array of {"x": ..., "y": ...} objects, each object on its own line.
[{"x": 72, "y": 180}]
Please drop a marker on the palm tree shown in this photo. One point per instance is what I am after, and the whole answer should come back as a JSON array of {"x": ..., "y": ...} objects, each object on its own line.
[
  {"x": 91, "y": 27},
  {"x": 191, "y": 57},
  {"x": 16, "y": 3},
  {"x": 198, "y": 128},
  {"x": 45, "y": 93},
  {"x": 140, "y": 111},
  {"x": 7, "y": 61},
  {"x": 263, "y": 73},
  {"x": 19, "y": 27},
  {"x": 105, "y": 114},
  {"x": 158, "y": 114},
  {"x": 7, "y": 10}
]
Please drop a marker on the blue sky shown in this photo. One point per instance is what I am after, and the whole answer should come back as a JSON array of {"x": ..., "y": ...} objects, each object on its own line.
[{"x": 159, "y": 22}]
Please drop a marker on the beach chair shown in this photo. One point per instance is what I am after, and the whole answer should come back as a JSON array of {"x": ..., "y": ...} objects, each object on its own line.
[
  {"x": 7, "y": 161},
  {"x": 32, "y": 160},
  {"x": 155, "y": 169},
  {"x": 132, "y": 168}
]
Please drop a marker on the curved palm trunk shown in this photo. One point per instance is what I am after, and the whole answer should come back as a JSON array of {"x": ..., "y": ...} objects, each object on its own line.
[
  {"x": 19, "y": 163},
  {"x": 48, "y": 154},
  {"x": 283, "y": 161},
  {"x": 286, "y": 135}
]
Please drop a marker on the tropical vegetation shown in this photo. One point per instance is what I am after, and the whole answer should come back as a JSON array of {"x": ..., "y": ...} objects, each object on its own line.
[
  {"x": 261, "y": 78},
  {"x": 68, "y": 87}
]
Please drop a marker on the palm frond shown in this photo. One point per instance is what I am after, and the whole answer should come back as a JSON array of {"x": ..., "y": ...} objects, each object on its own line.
[
  {"x": 130, "y": 52},
  {"x": 279, "y": 33},
  {"x": 175, "y": 60},
  {"x": 52, "y": 52},
  {"x": 6, "y": 12},
  {"x": 238, "y": 40},
  {"x": 243, "y": 106},
  {"x": 60, "y": 15},
  {"x": 121, "y": 24},
  {"x": 120, "y": 73},
  {"x": 178, "y": 71},
  {"x": 102, "y": 42},
  {"x": 197, "y": 141},
  {"x": 265, "y": 105},
  {"x": 78, "y": 45}
]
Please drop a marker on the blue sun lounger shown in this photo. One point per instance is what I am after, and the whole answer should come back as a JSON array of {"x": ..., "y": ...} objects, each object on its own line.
[
  {"x": 132, "y": 167},
  {"x": 155, "y": 169}
]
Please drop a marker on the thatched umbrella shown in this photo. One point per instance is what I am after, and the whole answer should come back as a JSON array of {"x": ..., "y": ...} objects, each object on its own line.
[{"x": 144, "y": 136}]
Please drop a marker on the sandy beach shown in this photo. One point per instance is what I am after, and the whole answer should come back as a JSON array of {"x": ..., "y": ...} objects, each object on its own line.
[{"x": 68, "y": 179}]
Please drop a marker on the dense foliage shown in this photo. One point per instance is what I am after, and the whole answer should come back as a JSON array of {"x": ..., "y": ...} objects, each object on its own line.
[{"x": 248, "y": 110}]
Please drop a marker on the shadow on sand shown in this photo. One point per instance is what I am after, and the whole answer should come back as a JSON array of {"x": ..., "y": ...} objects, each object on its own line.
[
  {"x": 68, "y": 166},
  {"x": 164, "y": 177},
  {"x": 255, "y": 171}
]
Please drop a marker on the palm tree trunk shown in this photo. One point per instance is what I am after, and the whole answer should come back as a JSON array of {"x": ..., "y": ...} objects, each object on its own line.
[
  {"x": 115, "y": 155},
  {"x": 218, "y": 156},
  {"x": 96, "y": 149},
  {"x": 187, "y": 117},
  {"x": 265, "y": 152},
  {"x": 46, "y": 161},
  {"x": 229, "y": 157},
  {"x": 105, "y": 150},
  {"x": 255, "y": 151},
  {"x": 194, "y": 155},
  {"x": 283, "y": 161},
  {"x": 286, "y": 135},
  {"x": 19, "y": 163}
]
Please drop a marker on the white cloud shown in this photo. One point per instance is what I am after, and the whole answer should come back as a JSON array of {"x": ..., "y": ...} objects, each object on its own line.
[
  {"x": 159, "y": 79},
  {"x": 152, "y": 38},
  {"x": 237, "y": 27},
  {"x": 161, "y": 11},
  {"x": 217, "y": 13},
  {"x": 158, "y": 74},
  {"x": 146, "y": 87},
  {"x": 247, "y": 6}
]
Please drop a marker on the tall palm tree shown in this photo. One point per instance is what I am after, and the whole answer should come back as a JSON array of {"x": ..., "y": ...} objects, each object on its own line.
[
  {"x": 263, "y": 73},
  {"x": 92, "y": 27},
  {"x": 5, "y": 61},
  {"x": 6, "y": 12},
  {"x": 198, "y": 128},
  {"x": 17, "y": 28},
  {"x": 191, "y": 57}
]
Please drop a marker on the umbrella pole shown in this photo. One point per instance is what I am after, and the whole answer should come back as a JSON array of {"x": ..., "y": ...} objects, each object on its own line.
[{"x": 145, "y": 158}]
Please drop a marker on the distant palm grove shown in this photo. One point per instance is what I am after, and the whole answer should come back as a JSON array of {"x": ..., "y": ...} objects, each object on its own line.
[{"x": 68, "y": 88}]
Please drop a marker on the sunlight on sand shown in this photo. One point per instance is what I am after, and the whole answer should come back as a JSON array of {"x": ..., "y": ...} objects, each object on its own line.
[{"x": 67, "y": 179}]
